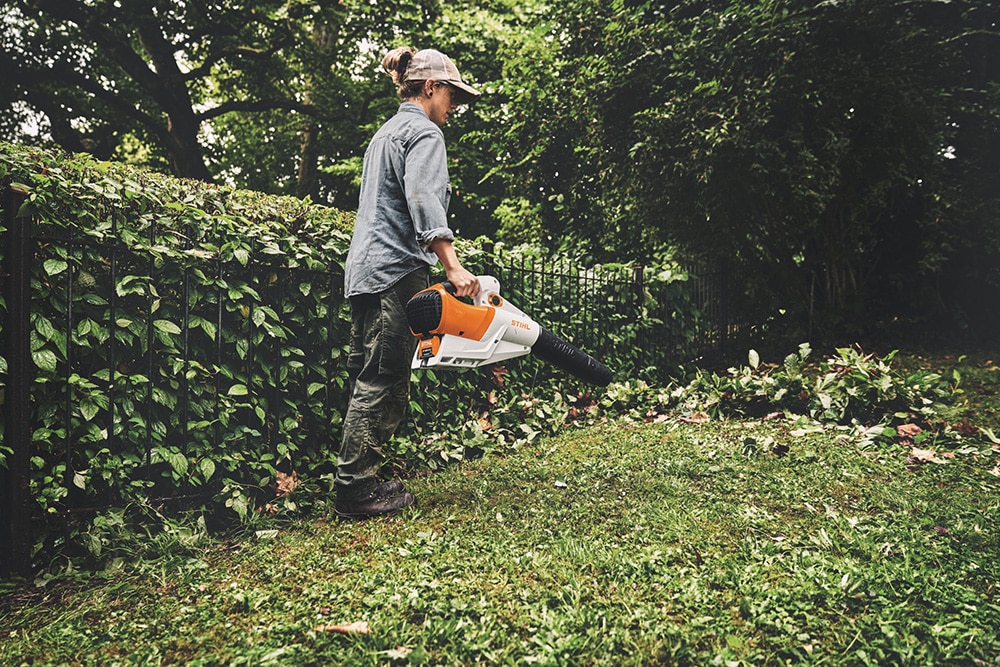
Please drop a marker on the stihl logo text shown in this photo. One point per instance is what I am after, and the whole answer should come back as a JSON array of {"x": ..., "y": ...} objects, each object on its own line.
[{"x": 520, "y": 325}]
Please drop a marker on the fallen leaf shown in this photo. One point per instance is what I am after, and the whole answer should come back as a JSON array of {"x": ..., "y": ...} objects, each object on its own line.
[
  {"x": 924, "y": 456},
  {"x": 967, "y": 428},
  {"x": 908, "y": 430},
  {"x": 484, "y": 422},
  {"x": 356, "y": 628},
  {"x": 400, "y": 652},
  {"x": 498, "y": 375},
  {"x": 773, "y": 415},
  {"x": 696, "y": 418},
  {"x": 286, "y": 483}
]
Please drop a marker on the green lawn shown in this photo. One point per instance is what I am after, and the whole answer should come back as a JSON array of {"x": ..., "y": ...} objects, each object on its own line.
[{"x": 621, "y": 544}]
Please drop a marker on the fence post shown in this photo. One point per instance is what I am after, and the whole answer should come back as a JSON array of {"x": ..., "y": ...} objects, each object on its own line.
[
  {"x": 15, "y": 510},
  {"x": 643, "y": 354},
  {"x": 725, "y": 328}
]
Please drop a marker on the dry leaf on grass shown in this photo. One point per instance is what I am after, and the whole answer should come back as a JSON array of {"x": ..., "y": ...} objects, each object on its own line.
[
  {"x": 696, "y": 418},
  {"x": 356, "y": 628},
  {"x": 286, "y": 483},
  {"x": 925, "y": 456}
]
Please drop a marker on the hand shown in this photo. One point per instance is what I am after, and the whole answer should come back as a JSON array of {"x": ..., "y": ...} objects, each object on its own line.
[{"x": 465, "y": 283}]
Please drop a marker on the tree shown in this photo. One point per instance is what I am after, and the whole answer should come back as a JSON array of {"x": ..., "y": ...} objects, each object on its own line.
[
  {"x": 278, "y": 96},
  {"x": 805, "y": 143},
  {"x": 164, "y": 79}
]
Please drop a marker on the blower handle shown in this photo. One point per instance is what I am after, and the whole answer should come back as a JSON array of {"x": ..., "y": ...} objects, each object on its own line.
[
  {"x": 448, "y": 287},
  {"x": 487, "y": 285}
]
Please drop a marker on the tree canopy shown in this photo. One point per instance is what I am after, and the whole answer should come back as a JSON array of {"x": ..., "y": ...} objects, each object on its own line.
[{"x": 844, "y": 155}]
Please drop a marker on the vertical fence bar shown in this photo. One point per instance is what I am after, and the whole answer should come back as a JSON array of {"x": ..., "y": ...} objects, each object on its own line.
[
  {"x": 16, "y": 508},
  {"x": 70, "y": 360},
  {"x": 726, "y": 323},
  {"x": 113, "y": 328},
  {"x": 217, "y": 371},
  {"x": 149, "y": 355},
  {"x": 186, "y": 352},
  {"x": 250, "y": 346}
]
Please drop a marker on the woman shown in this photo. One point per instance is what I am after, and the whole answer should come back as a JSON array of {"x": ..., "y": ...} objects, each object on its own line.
[{"x": 401, "y": 230}]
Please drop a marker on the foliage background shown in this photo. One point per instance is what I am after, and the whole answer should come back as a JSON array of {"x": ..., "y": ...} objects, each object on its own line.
[{"x": 843, "y": 155}]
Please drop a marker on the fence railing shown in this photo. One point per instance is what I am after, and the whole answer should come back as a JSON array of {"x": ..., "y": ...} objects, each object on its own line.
[
  {"x": 601, "y": 309},
  {"x": 663, "y": 322}
]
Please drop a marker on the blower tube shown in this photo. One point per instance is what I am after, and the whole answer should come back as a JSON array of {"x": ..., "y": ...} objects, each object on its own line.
[{"x": 563, "y": 354}]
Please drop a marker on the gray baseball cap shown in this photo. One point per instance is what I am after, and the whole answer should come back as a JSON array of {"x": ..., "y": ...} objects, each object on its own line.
[{"x": 430, "y": 64}]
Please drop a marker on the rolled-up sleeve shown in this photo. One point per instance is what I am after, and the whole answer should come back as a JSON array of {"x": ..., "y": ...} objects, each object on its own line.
[{"x": 428, "y": 191}]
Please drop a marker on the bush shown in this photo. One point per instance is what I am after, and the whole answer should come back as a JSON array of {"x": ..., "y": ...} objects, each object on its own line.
[{"x": 187, "y": 338}]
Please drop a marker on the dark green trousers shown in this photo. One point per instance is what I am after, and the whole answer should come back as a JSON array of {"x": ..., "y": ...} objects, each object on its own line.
[{"x": 382, "y": 349}]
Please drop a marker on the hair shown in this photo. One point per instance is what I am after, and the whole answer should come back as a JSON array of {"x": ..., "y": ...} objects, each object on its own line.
[{"x": 395, "y": 63}]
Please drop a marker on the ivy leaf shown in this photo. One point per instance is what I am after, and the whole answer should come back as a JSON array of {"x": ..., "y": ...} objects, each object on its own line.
[
  {"x": 79, "y": 480},
  {"x": 45, "y": 360},
  {"x": 167, "y": 326},
  {"x": 55, "y": 266},
  {"x": 209, "y": 328},
  {"x": 89, "y": 410},
  {"x": 207, "y": 468},
  {"x": 238, "y": 390},
  {"x": 45, "y": 328},
  {"x": 178, "y": 462}
]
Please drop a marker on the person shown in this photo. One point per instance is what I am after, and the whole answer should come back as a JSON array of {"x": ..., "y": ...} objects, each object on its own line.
[{"x": 401, "y": 231}]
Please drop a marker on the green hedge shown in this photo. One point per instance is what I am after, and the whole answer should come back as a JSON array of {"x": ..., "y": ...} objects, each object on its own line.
[{"x": 187, "y": 338}]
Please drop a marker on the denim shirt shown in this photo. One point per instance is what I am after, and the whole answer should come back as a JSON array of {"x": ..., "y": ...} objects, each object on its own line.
[{"x": 403, "y": 205}]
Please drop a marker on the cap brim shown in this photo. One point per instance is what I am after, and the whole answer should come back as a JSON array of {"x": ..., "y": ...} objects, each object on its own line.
[{"x": 469, "y": 94}]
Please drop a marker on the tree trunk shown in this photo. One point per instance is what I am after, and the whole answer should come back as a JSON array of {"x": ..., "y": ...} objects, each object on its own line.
[{"x": 307, "y": 183}]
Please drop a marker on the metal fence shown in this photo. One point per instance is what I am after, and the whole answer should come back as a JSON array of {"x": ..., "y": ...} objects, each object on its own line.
[
  {"x": 648, "y": 323},
  {"x": 610, "y": 312}
]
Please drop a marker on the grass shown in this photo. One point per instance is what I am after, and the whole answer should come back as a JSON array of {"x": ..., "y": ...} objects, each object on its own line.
[{"x": 623, "y": 544}]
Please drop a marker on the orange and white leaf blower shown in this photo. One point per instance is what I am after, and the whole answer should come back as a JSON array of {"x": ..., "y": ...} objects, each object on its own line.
[{"x": 454, "y": 333}]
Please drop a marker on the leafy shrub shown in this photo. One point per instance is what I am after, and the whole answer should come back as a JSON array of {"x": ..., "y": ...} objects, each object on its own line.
[
  {"x": 850, "y": 387},
  {"x": 187, "y": 339}
]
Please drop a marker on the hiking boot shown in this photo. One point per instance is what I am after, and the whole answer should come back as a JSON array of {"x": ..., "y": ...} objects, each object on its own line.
[
  {"x": 389, "y": 488},
  {"x": 373, "y": 505}
]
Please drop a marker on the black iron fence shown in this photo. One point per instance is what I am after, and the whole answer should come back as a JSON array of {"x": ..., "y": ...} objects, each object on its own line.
[{"x": 648, "y": 322}]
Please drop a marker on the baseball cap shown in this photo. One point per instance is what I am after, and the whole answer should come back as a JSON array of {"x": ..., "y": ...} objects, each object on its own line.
[{"x": 430, "y": 64}]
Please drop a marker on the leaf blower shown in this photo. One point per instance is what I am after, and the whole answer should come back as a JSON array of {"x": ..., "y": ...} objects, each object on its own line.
[{"x": 454, "y": 333}]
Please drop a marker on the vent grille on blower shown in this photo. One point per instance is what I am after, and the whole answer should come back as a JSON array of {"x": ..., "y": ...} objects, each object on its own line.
[{"x": 423, "y": 312}]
